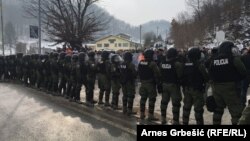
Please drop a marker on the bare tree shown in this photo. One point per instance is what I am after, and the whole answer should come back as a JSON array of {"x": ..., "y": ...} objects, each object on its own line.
[
  {"x": 196, "y": 6},
  {"x": 68, "y": 21}
]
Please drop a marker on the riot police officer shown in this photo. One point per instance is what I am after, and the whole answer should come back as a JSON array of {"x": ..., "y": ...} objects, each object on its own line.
[
  {"x": 91, "y": 77},
  {"x": 171, "y": 72},
  {"x": 19, "y": 69},
  {"x": 226, "y": 71},
  {"x": 26, "y": 69},
  {"x": 194, "y": 83},
  {"x": 54, "y": 72},
  {"x": 2, "y": 67},
  {"x": 73, "y": 77},
  {"x": 62, "y": 74},
  {"x": 81, "y": 75},
  {"x": 39, "y": 72},
  {"x": 67, "y": 70},
  {"x": 33, "y": 74},
  {"x": 127, "y": 79},
  {"x": 104, "y": 81},
  {"x": 46, "y": 72},
  {"x": 149, "y": 76},
  {"x": 115, "y": 80}
]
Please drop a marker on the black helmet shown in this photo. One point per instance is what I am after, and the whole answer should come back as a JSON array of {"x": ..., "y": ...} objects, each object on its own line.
[
  {"x": 75, "y": 57},
  {"x": 128, "y": 57},
  {"x": 32, "y": 56},
  {"x": 1, "y": 57},
  {"x": 226, "y": 48},
  {"x": 62, "y": 55},
  {"x": 105, "y": 55},
  {"x": 149, "y": 54},
  {"x": 172, "y": 53},
  {"x": 194, "y": 54},
  {"x": 91, "y": 54},
  {"x": 19, "y": 55},
  {"x": 115, "y": 58},
  {"x": 214, "y": 50},
  {"x": 27, "y": 57},
  {"x": 46, "y": 56},
  {"x": 12, "y": 57},
  {"x": 55, "y": 55},
  {"x": 82, "y": 56},
  {"x": 36, "y": 56},
  {"x": 51, "y": 54},
  {"x": 68, "y": 58}
]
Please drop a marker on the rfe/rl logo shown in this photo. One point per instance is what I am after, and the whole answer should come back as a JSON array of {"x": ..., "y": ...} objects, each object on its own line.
[{"x": 221, "y": 62}]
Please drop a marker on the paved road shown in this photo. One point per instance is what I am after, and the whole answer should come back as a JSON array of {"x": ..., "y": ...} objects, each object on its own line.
[{"x": 25, "y": 115}]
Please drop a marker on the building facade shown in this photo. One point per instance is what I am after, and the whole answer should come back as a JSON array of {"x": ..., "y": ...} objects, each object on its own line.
[{"x": 115, "y": 43}]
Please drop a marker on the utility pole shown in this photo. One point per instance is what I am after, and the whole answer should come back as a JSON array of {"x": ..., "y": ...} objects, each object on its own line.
[
  {"x": 1, "y": 6},
  {"x": 157, "y": 31},
  {"x": 39, "y": 28},
  {"x": 140, "y": 36}
]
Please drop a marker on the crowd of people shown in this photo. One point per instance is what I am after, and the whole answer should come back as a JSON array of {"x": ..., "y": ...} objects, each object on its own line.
[{"x": 176, "y": 75}]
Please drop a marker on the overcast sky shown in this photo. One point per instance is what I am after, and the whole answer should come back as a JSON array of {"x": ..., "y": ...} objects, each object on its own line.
[{"x": 137, "y": 12}]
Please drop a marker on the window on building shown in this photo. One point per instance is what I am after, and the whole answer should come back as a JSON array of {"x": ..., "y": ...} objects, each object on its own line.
[
  {"x": 112, "y": 41},
  {"x": 115, "y": 44},
  {"x": 125, "y": 44},
  {"x": 120, "y": 45},
  {"x": 106, "y": 45},
  {"x": 99, "y": 45}
]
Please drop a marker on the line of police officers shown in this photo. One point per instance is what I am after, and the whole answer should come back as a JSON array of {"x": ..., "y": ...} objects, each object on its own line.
[{"x": 62, "y": 74}]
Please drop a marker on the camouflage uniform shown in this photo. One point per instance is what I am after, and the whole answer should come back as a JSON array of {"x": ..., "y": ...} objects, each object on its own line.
[
  {"x": 62, "y": 74},
  {"x": 171, "y": 72},
  {"x": 12, "y": 67},
  {"x": 245, "y": 118},
  {"x": 104, "y": 81},
  {"x": 149, "y": 77},
  {"x": 46, "y": 72},
  {"x": 26, "y": 69},
  {"x": 91, "y": 77},
  {"x": 194, "y": 83},
  {"x": 226, "y": 71},
  {"x": 6, "y": 68},
  {"x": 54, "y": 72},
  {"x": 81, "y": 75},
  {"x": 39, "y": 72},
  {"x": 1, "y": 67},
  {"x": 73, "y": 78},
  {"x": 33, "y": 73},
  {"x": 67, "y": 70},
  {"x": 128, "y": 76},
  {"x": 115, "y": 81},
  {"x": 19, "y": 69}
]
